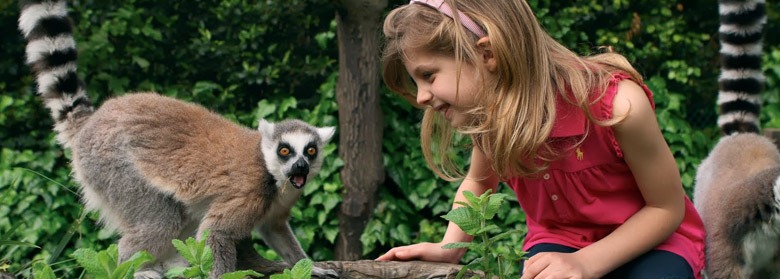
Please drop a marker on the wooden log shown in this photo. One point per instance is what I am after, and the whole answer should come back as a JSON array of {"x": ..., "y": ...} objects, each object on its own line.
[
  {"x": 359, "y": 269},
  {"x": 369, "y": 269}
]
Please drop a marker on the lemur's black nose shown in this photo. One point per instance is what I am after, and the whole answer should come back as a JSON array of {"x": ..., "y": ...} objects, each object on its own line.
[{"x": 300, "y": 167}]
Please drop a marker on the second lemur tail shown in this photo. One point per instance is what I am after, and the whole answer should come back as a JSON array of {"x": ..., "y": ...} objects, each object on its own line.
[
  {"x": 741, "y": 80},
  {"x": 51, "y": 54}
]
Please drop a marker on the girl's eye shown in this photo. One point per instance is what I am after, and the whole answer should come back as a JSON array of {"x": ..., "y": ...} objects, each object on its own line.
[
  {"x": 427, "y": 76},
  {"x": 311, "y": 151},
  {"x": 284, "y": 151}
]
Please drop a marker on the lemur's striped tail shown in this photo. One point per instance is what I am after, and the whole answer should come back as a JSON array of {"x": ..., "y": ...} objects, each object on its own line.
[
  {"x": 741, "y": 80},
  {"x": 51, "y": 53}
]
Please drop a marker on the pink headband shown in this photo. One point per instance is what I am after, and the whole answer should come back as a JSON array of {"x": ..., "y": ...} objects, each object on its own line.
[{"x": 445, "y": 9}]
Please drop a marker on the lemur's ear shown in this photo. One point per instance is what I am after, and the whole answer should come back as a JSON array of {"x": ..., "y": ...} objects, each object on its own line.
[
  {"x": 326, "y": 133},
  {"x": 266, "y": 128}
]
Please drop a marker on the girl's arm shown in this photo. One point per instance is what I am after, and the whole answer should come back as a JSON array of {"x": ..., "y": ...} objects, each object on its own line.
[
  {"x": 658, "y": 178},
  {"x": 479, "y": 179}
]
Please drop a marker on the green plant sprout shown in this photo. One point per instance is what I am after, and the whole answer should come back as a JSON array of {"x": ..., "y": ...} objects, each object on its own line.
[
  {"x": 199, "y": 255},
  {"x": 42, "y": 270},
  {"x": 301, "y": 270},
  {"x": 101, "y": 265},
  {"x": 474, "y": 218}
]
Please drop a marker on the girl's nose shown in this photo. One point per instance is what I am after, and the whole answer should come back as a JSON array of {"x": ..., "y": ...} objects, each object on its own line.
[{"x": 423, "y": 97}]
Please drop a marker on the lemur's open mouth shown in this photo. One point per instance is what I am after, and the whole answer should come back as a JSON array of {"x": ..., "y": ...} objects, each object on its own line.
[{"x": 298, "y": 181}]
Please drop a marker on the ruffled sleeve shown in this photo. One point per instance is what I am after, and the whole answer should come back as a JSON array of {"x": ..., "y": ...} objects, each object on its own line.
[{"x": 608, "y": 99}]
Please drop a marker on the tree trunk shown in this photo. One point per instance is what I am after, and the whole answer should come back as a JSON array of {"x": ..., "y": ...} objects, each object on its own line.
[{"x": 360, "y": 119}]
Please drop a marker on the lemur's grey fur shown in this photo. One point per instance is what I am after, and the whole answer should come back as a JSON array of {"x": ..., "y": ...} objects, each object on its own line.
[
  {"x": 158, "y": 169},
  {"x": 737, "y": 192}
]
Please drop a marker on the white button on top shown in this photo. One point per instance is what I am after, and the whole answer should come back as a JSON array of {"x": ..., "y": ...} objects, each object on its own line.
[
  {"x": 546, "y": 176},
  {"x": 554, "y": 197}
]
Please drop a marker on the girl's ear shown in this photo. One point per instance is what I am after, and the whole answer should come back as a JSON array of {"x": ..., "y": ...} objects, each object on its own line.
[{"x": 488, "y": 58}]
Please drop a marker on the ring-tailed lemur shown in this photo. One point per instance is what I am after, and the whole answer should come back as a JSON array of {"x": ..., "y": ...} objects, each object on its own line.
[
  {"x": 158, "y": 169},
  {"x": 737, "y": 191}
]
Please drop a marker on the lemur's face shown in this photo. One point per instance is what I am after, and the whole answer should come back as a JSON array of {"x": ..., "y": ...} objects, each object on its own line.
[{"x": 292, "y": 151}]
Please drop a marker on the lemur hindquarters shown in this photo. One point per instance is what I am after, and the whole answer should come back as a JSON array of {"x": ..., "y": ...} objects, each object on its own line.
[
  {"x": 158, "y": 169},
  {"x": 737, "y": 192}
]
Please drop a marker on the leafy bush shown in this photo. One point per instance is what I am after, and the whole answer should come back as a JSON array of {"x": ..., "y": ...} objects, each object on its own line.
[{"x": 273, "y": 59}]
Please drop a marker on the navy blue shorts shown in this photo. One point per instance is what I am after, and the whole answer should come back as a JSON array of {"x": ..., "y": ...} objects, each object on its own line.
[{"x": 655, "y": 264}]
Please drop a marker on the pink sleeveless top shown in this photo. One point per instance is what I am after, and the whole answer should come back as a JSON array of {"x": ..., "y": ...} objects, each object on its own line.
[{"x": 590, "y": 192}]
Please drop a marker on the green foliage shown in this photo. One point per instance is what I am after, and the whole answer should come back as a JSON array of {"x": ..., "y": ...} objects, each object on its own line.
[
  {"x": 770, "y": 113},
  {"x": 39, "y": 206},
  {"x": 105, "y": 264},
  {"x": 301, "y": 270},
  {"x": 198, "y": 254},
  {"x": 278, "y": 59},
  {"x": 241, "y": 59},
  {"x": 475, "y": 218},
  {"x": 42, "y": 270},
  {"x": 201, "y": 259}
]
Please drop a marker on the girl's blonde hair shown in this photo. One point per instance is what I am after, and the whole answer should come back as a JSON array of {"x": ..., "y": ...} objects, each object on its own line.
[{"x": 512, "y": 123}]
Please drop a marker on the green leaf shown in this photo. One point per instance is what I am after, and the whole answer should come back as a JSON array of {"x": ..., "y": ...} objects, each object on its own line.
[
  {"x": 465, "y": 218},
  {"x": 127, "y": 268},
  {"x": 176, "y": 272},
  {"x": 141, "y": 62},
  {"x": 205, "y": 87},
  {"x": 286, "y": 104},
  {"x": 206, "y": 260},
  {"x": 494, "y": 204},
  {"x": 241, "y": 274},
  {"x": 284, "y": 275},
  {"x": 106, "y": 261},
  {"x": 184, "y": 251},
  {"x": 17, "y": 243},
  {"x": 474, "y": 264},
  {"x": 505, "y": 235},
  {"x": 488, "y": 228},
  {"x": 194, "y": 272},
  {"x": 42, "y": 270},
  {"x": 462, "y": 272},
  {"x": 264, "y": 109},
  {"x": 465, "y": 204},
  {"x": 88, "y": 259},
  {"x": 474, "y": 201},
  {"x": 457, "y": 245},
  {"x": 302, "y": 269},
  {"x": 484, "y": 195}
]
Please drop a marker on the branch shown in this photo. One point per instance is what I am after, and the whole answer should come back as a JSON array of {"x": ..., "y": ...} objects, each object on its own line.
[{"x": 369, "y": 269}]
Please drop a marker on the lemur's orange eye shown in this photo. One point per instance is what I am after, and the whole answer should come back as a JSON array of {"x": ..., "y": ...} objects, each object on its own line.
[
  {"x": 284, "y": 151},
  {"x": 311, "y": 150}
]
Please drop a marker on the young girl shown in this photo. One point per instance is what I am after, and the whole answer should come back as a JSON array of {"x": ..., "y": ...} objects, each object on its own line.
[{"x": 576, "y": 138}]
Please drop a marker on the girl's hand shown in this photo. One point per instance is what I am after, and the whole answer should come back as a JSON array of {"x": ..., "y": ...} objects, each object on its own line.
[
  {"x": 551, "y": 265},
  {"x": 426, "y": 251}
]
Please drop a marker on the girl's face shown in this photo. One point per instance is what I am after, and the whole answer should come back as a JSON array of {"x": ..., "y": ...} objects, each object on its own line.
[{"x": 436, "y": 77}]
